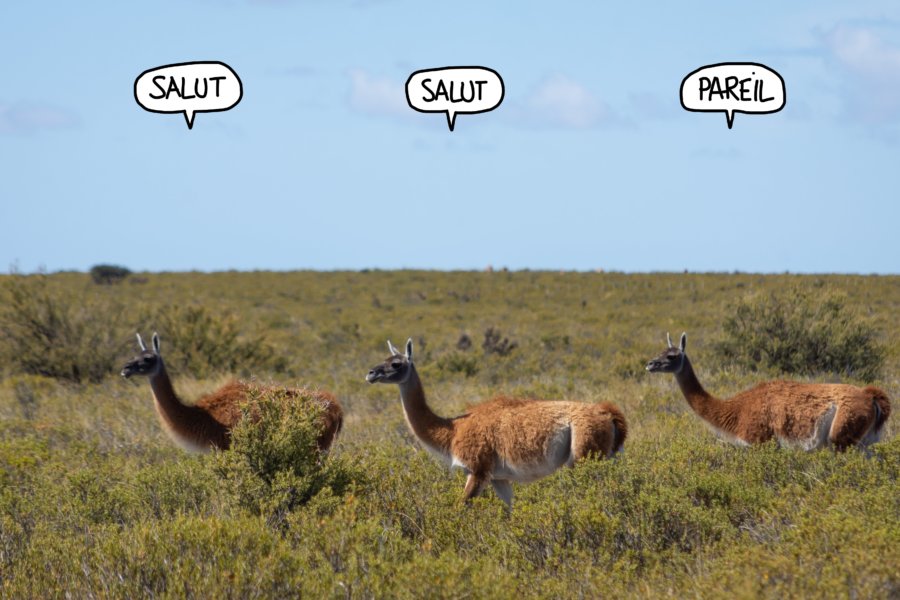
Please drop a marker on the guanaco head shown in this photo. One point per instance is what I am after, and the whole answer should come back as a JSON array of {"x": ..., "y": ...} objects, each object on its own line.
[
  {"x": 146, "y": 363},
  {"x": 671, "y": 360},
  {"x": 396, "y": 368}
]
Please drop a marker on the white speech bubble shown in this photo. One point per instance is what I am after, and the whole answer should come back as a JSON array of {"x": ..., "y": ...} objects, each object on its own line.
[
  {"x": 455, "y": 90},
  {"x": 739, "y": 87},
  {"x": 189, "y": 88}
]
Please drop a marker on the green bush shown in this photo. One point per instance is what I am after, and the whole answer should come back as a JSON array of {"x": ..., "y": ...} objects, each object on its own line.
[
  {"x": 62, "y": 333},
  {"x": 803, "y": 332},
  {"x": 273, "y": 465},
  {"x": 108, "y": 274},
  {"x": 82, "y": 335},
  {"x": 202, "y": 343},
  {"x": 494, "y": 343},
  {"x": 458, "y": 362}
]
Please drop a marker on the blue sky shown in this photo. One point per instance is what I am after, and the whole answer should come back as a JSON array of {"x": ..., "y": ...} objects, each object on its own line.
[{"x": 589, "y": 163}]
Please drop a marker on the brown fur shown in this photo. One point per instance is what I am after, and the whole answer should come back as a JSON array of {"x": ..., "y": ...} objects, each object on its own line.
[
  {"x": 209, "y": 421},
  {"x": 791, "y": 412},
  {"x": 513, "y": 429},
  {"x": 512, "y": 439}
]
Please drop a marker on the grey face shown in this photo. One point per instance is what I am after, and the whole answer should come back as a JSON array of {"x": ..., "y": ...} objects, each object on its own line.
[
  {"x": 393, "y": 370},
  {"x": 146, "y": 363},
  {"x": 669, "y": 361}
]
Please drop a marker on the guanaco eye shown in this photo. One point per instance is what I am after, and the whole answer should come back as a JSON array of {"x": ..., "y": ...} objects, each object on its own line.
[{"x": 396, "y": 365}]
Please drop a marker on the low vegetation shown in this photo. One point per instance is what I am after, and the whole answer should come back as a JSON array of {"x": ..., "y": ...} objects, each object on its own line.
[
  {"x": 273, "y": 465},
  {"x": 59, "y": 332},
  {"x": 77, "y": 334},
  {"x": 96, "y": 501},
  {"x": 802, "y": 331},
  {"x": 204, "y": 342}
]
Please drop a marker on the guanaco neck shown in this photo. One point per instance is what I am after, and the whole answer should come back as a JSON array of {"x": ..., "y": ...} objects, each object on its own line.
[
  {"x": 173, "y": 411},
  {"x": 433, "y": 431},
  {"x": 721, "y": 415}
]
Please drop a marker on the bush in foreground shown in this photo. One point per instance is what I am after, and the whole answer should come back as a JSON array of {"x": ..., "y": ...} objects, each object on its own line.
[{"x": 273, "y": 465}]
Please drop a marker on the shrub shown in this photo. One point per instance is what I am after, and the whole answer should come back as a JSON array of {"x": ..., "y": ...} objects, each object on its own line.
[
  {"x": 464, "y": 342},
  {"x": 273, "y": 465},
  {"x": 108, "y": 274},
  {"x": 202, "y": 343},
  {"x": 804, "y": 333},
  {"x": 59, "y": 333},
  {"x": 81, "y": 336},
  {"x": 457, "y": 362},
  {"x": 495, "y": 344}
]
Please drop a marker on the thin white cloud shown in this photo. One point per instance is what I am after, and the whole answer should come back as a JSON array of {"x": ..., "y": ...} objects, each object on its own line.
[
  {"x": 870, "y": 66},
  {"x": 380, "y": 96},
  {"x": 561, "y": 102},
  {"x": 27, "y": 117}
]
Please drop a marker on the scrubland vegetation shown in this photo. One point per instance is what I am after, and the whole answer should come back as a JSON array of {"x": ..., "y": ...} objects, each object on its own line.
[{"x": 95, "y": 501}]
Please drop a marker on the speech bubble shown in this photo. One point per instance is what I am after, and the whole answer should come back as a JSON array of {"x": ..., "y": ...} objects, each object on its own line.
[
  {"x": 738, "y": 87},
  {"x": 455, "y": 90},
  {"x": 189, "y": 88}
]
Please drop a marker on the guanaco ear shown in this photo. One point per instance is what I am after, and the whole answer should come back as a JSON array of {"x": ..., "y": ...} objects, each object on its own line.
[
  {"x": 393, "y": 351},
  {"x": 683, "y": 341},
  {"x": 669, "y": 340},
  {"x": 155, "y": 343},
  {"x": 141, "y": 342},
  {"x": 409, "y": 349}
]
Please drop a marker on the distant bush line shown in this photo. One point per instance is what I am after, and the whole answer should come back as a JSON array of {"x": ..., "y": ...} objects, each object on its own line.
[{"x": 81, "y": 335}]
